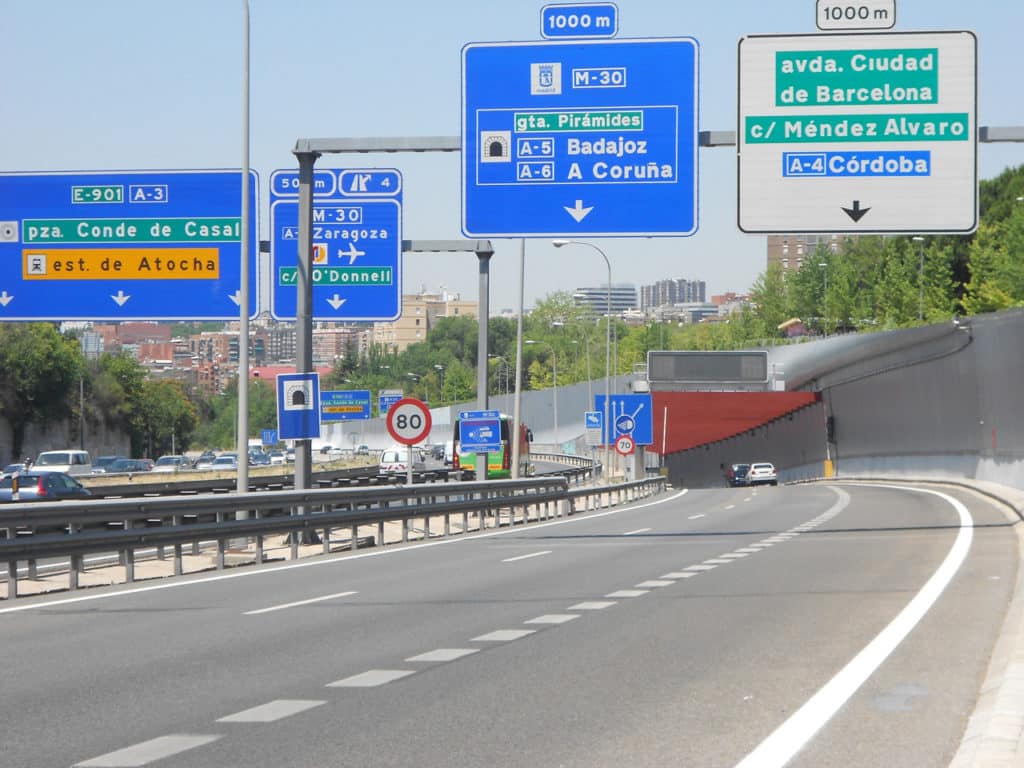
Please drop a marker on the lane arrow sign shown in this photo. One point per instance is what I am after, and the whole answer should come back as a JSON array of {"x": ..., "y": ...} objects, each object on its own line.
[
  {"x": 856, "y": 212},
  {"x": 579, "y": 212},
  {"x": 5, "y": 298},
  {"x": 353, "y": 253},
  {"x": 121, "y": 298},
  {"x": 336, "y": 302}
]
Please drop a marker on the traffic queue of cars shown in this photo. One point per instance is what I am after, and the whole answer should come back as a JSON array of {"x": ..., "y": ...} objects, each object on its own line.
[{"x": 758, "y": 473}]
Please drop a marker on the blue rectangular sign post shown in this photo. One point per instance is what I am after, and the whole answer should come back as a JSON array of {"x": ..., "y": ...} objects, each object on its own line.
[
  {"x": 268, "y": 437},
  {"x": 357, "y": 244},
  {"x": 631, "y": 415},
  {"x": 124, "y": 245},
  {"x": 345, "y": 405},
  {"x": 386, "y": 399},
  {"x": 564, "y": 20},
  {"x": 580, "y": 138},
  {"x": 480, "y": 431},
  {"x": 298, "y": 406}
]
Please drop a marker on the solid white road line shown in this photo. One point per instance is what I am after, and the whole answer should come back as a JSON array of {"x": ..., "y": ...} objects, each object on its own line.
[
  {"x": 502, "y": 635},
  {"x": 146, "y": 752},
  {"x": 300, "y": 602},
  {"x": 444, "y": 654},
  {"x": 271, "y": 711},
  {"x": 790, "y": 737},
  {"x": 526, "y": 557},
  {"x": 371, "y": 678}
]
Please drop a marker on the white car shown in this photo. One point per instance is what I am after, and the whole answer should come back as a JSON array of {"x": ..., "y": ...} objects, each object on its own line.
[
  {"x": 762, "y": 473},
  {"x": 172, "y": 463},
  {"x": 395, "y": 461}
]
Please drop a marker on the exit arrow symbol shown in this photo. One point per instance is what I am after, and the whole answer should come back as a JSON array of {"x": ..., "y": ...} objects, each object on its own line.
[
  {"x": 579, "y": 212},
  {"x": 856, "y": 212},
  {"x": 336, "y": 302},
  {"x": 236, "y": 297},
  {"x": 5, "y": 298},
  {"x": 121, "y": 298}
]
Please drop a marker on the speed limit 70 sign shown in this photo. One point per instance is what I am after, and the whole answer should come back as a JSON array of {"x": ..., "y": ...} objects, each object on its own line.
[{"x": 409, "y": 421}]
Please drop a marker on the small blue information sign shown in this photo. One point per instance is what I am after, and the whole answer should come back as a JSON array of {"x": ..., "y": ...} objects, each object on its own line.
[
  {"x": 345, "y": 405},
  {"x": 268, "y": 437},
  {"x": 298, "y": 406},
  {"x": 387, "y": 398},
  {"x": 480, "y": 431},
  {"x": 631, "y": 415},
  {"x": 356, "y": 241},
  {"x": 577, "y": 20}
]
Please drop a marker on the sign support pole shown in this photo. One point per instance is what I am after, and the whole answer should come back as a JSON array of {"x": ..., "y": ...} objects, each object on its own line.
[{"x": 304, "y": 305}]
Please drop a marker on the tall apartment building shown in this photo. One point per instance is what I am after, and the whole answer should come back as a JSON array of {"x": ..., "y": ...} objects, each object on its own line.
[
  {"x": 790, "y": 251},
  {"x": 673, "y": 291},
  {"x": 419, "y": 314}
]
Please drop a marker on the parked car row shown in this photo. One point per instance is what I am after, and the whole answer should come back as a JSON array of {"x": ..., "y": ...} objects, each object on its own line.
[{"x": 758, "y": 473}]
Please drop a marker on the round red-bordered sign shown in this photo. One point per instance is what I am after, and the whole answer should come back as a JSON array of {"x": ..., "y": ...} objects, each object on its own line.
[
  {"x": 624, "y": 445},
  {"x": 409, "y": 421}
]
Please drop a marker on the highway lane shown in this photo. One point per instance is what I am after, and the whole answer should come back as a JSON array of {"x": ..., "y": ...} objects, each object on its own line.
[{"x": 683, "y": 631}]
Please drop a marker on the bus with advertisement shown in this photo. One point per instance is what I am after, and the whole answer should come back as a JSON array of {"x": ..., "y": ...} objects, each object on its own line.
[{"x": 499, "y": 463}]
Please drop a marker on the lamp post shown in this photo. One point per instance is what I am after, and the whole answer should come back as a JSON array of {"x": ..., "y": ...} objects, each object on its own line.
[
  {"x": 920, "y": 277},
  {"x": 426, "y": 385},
  {"x": 506, "y": 367},
  {"x": 554, "y": 379},
  {"x": 824, "y": 300},
  {"x": 440, "y": 368},
  {"x": 607, "y": 429}
]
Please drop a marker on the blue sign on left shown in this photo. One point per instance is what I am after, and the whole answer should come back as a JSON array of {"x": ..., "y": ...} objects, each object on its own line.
[
  {"x": 124, "y": 245},
  {"x": 298, "y": 406}
]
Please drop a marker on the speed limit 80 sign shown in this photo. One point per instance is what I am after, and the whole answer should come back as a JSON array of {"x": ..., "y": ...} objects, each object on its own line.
[{"x": 409, "y": 421}]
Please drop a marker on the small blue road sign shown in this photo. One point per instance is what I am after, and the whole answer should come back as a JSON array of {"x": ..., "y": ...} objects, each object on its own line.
[
  {"x": 298, "y": 406},
  {"x": 124, "y": 245},
  {"x": 480, "y": 431},
  {"x": 387, "y": 398},
  {"x": 268, "y": 437},
  {"x": 345, "y": 405},
  {"x": 631, "y": 415},
  {"x": 577, "y": 138},
  {"x": 578, "y": 20},
  {"x": 356, "y": 241}
]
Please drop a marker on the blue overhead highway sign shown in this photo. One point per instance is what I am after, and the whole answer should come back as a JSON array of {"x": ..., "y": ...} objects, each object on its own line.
[
  {"x": 357, "y": 244},
  {"x": 124, "y": 245},
  {"x": 581, "y": 137}
]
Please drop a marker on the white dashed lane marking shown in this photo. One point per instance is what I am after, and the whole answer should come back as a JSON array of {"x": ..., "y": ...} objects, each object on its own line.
[
  {"x": 150, "y": 751},
  {"x": 297, "y": 603},
  {"x": 444, "y": 654},
  {"x": 638, "y": 530},
  {"x": 679, "y": 575},
  {"x": 628, "y": 593},
  {"x": 503, "y": 635},
  {"x": 271, "y": 711},
  {"x": 372, "y": 678},
  {"x": 697, "y": 517},
  {"x": 526, "y": 557},
  {"x": 654, "y": 583},
  {"x": 592, "y": 605},
  {"x": 553, "y": 618}
]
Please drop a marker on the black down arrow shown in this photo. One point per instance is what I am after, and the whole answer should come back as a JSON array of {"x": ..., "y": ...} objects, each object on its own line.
[{"x": 856, "y": 212}]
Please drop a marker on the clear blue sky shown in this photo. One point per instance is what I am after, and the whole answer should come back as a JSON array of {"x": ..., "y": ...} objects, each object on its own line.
[{"x": 137, "y": 84}]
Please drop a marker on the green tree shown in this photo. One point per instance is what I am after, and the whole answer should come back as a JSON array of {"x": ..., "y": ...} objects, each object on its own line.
[
  {"x": 39, "y": 369},
  {"x": 166, "y": 416}
]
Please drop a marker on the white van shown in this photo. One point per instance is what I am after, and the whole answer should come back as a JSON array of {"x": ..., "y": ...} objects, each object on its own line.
[
  {"x": 395, "y": 461},
  {"x": 72, "y": 461}
]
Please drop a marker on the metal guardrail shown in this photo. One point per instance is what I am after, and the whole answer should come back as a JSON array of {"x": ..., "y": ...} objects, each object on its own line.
[{"x": 126, "y": 525}]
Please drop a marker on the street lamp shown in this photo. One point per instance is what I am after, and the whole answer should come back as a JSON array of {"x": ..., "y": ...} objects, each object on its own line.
[
  {"x": 506, "y": 367},
  {"x": 438, "y": 367},
  {"x": 824, "y": 265},
  {"x": 606, "y": 437},
  {"x": 554, "y": 379},
  {"x": 920, "y": 278},
  {"x": 426, "y": 385}
]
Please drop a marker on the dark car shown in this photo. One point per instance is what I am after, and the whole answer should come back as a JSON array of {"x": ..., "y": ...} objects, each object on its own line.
[
  {"x": 104, "y": 463},
  {"x": 737, "y": 474},
  {"x": 130, "y": 465},
  {"x": 42, "y": 486}
]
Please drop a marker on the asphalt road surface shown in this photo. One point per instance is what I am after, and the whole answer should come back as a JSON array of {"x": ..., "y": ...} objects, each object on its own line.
[{"x": 818, "y": 625}]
